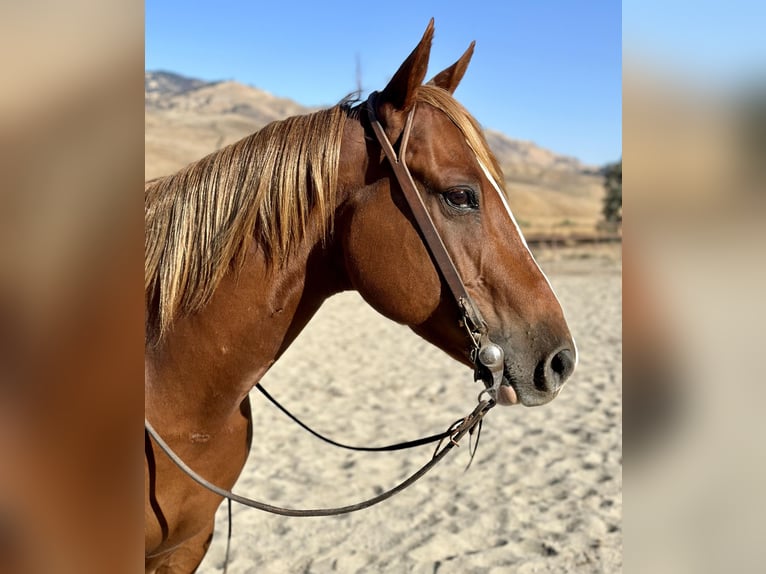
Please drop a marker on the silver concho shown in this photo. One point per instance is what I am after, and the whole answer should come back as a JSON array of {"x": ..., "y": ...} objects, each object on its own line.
[{"x": 491, "y": 356}]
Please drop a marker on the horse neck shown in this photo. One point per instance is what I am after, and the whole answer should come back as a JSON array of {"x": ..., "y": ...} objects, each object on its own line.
[{"x": 210, "y": 360}]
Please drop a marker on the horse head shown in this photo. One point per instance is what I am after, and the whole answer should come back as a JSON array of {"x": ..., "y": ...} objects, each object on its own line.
[{"x": 460, "y": 183}]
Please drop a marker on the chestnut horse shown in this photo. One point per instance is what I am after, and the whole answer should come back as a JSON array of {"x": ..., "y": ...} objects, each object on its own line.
[{"x": 243, "y": 246}]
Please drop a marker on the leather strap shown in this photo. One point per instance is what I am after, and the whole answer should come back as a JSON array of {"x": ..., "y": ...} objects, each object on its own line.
[
  {"x": 465, "y": 426},
  {"x": 474, "y": 321},
  {"x": 388, "y": 448}
]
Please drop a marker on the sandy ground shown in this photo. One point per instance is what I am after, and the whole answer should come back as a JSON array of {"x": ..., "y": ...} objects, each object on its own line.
[{"x": 543, "y": 494}]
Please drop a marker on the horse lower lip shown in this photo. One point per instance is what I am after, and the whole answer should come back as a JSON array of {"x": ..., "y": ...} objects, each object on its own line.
[{"x": 506, "y": 395}]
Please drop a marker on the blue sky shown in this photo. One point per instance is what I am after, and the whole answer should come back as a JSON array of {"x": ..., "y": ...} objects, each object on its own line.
[
  {"x": 546, "y": 71},
  {"x": 709, "y": 40}
]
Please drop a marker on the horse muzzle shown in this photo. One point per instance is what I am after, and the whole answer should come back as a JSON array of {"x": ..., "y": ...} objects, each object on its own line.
[{"x": 535, "y": 383}]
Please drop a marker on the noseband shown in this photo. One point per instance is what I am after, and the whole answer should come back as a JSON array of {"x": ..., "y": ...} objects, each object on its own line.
[{"x": 487, "y": 356}]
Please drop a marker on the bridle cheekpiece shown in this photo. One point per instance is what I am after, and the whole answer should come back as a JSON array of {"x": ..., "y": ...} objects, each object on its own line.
[{"x": 488, "y": 357}]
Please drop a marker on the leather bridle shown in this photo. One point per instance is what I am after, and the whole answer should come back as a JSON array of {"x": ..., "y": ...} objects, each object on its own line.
[{"x": 486, "y": 355}]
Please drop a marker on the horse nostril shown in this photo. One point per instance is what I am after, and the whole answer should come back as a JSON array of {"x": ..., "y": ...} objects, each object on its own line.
[
  {"x": 562, "y": 364},
  {"x": 551, "y": 373}
]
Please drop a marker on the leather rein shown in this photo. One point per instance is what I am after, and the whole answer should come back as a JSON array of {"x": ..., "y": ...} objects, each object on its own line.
[{"x": 486, "y": 355}]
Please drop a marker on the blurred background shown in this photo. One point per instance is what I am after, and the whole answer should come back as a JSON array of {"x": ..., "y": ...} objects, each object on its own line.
[
  {"x": 694, "y": 101},
  {"x": 71, "y": 150}
]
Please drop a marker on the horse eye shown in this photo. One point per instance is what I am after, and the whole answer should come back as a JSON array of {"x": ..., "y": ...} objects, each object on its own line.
[{"x": 460, "y": 198}]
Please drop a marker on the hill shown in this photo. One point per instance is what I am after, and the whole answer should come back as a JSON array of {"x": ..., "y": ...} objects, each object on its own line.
[{"x": 187, "y": 118}]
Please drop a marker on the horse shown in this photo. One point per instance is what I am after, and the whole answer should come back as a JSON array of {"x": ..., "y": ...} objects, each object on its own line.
[{"x": 243, "y": 246}]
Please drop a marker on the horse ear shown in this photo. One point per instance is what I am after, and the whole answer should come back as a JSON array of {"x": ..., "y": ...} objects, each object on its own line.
[
  {"x": 400, "y": 91},
  {"x": 449, "y": 78}
]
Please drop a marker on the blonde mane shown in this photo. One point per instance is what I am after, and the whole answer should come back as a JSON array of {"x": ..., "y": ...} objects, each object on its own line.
[{"x": 200, "y": 221}]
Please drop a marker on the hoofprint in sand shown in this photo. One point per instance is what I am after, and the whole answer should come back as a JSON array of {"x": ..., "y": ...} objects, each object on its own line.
[{"x": 543, "y": 494}]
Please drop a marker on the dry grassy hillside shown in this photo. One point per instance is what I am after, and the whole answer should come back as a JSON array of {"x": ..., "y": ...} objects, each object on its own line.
[{"x": 187, "y": 119}]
